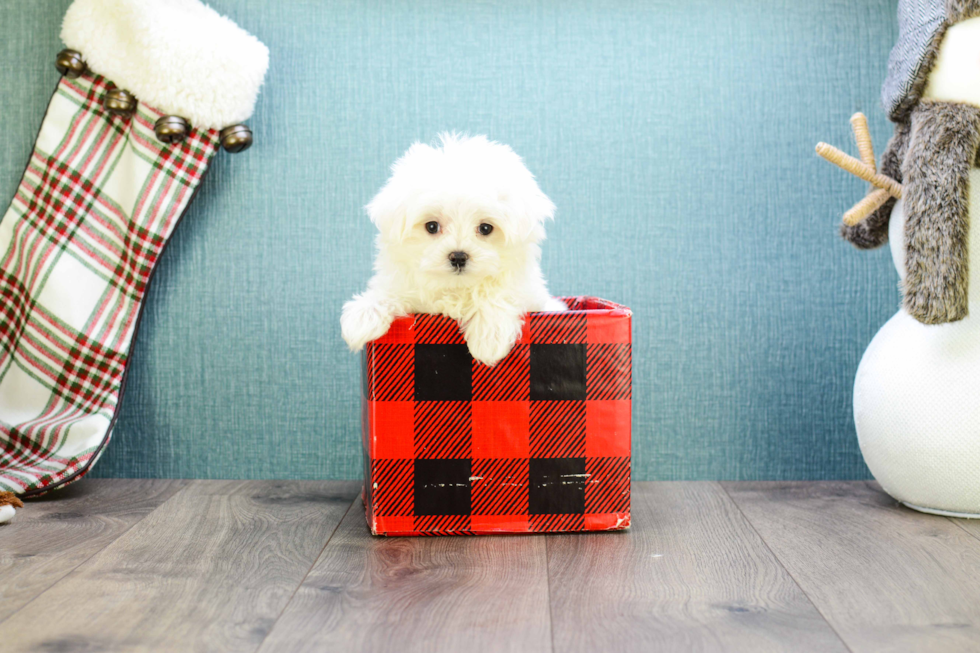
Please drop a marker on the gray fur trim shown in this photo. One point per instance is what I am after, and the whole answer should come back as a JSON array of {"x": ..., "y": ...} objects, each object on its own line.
[
  {"x": 960, "y": 10},
  {"x": 873, "y": 231},
  {"x": 943, "y": 146}
]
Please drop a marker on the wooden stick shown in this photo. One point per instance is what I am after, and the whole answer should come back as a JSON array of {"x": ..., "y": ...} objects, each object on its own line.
[
  {"x": 866, "y": 207},
  {"x": 859, "y": 123},
  {"x": 859, "y": 169}
]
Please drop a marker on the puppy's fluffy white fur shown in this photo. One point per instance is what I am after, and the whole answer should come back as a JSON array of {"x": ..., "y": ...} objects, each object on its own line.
[{"x": 460, "y": 184}]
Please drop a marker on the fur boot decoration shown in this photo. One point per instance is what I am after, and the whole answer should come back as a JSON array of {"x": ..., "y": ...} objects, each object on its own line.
[{"x": 8, "y": 505}]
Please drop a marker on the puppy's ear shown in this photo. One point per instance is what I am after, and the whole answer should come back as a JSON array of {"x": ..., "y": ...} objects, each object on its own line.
[
  {"x": 527, "y": 214},
  {"x": 389, "y": 213},
  {"x": 390, "y": 208}
]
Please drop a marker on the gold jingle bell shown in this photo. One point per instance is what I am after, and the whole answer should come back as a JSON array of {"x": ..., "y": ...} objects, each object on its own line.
[
  {"x": 70, "y": 63},
  {"x": 119, "y": 102},
  {"x": 236, "y": 138},
  {"x": 171, "y": 129}
]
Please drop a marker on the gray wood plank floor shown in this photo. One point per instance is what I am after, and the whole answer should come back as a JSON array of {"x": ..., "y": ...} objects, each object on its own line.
[
  {"x": 885, "y": 577},
  {"x": 691, "y": 576},
  {"x": 271, "y": 566},
  {"x": 419, "y": 594}
]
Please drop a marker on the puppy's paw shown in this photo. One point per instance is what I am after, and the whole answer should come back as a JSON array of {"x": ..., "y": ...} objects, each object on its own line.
[
  {"x": 554, "y": 305},
  {"x": 363, "y": 321},
  {"x": 491, "y": 337}
]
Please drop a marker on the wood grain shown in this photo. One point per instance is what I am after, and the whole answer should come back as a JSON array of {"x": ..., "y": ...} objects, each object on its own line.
[
  {"x": 887, "y": 578},
  {"x": 209, "y": 570},
  {"x": 54, "y": 534},
  {"x": 691, "y": 574},
  {"x": 971, "y": 526},
  {"x": 419, "y": 594}
]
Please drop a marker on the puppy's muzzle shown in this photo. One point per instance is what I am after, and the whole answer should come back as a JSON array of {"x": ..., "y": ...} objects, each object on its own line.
[{"x": 458, "y": 260}]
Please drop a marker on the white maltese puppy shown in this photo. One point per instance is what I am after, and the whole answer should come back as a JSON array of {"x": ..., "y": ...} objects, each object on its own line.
[{"x": 459, "y": 231}]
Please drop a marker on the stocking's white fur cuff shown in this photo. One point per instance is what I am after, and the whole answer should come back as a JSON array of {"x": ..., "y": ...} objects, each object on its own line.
[
  {"x": 178, "y": 56},
  {"x": 6, "y": 513}
]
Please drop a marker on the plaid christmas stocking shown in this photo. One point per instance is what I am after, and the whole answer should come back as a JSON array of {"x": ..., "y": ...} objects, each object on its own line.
[{"x": 150, "y": 90}]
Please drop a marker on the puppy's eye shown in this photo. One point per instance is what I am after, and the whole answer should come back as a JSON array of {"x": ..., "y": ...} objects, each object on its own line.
[
  {"x": 485, "y": 229},
  {"x": 432, "y": 227}
]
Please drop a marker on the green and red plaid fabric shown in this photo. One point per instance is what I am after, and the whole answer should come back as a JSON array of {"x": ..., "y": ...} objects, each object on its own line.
[
  {"x": 540, "y": 442},
  {"x": 99, "y": 199}
]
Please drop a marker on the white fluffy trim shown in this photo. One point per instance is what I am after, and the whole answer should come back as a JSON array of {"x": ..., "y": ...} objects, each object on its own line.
[{"x": 178, "y": 56}]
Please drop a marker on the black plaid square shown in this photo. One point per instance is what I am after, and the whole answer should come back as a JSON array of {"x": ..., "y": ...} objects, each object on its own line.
[
  {"x": 442, "y": 487},
  {"x": 442, "y": 373},
  {"x": 557, "y": 486},
  {"x": 558, "y": 372}
]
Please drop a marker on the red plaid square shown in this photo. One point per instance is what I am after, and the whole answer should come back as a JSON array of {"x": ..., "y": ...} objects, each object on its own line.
[
  {"x": 401, "y": 332},
  {"x": 501, "y": 429},
  {"x": 394, "y": 429},
  {"x": 500, "y": 523},
  {"x": 391, "y": 524},
  {"x": 607, "y": 326},
  {"x": 609, "y": 425}
]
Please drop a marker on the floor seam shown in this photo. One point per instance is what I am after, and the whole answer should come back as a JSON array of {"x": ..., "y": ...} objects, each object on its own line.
[
  {"x": 316, "y": 559},
  {"x": 547, "y": 569},
  {"x": 783, "y": 566},
  {"x": 97, "y": 552},
  {"x": 964, "y": 528}
]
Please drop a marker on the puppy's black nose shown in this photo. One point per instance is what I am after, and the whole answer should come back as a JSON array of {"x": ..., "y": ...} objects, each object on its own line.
[{"x": 458, "y": 260}]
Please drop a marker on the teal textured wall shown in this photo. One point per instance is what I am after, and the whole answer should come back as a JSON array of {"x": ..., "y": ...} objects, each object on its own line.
[{"x": 676, "y": 139}]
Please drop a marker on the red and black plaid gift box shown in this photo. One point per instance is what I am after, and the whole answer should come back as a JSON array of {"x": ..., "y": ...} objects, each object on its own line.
[{"x": 538, "y": 443}]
